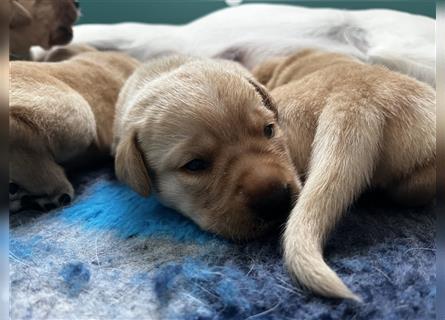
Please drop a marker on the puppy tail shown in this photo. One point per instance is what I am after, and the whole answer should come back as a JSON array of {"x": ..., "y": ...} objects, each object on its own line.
[{"x": 345, "y": 150}]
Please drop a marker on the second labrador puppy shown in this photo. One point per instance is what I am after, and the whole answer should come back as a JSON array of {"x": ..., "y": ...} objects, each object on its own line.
[
  {"x": 202, "y": 134},
  {"x": 349, "y": 126},
  {"x": 42, "y": 23},
  {"x": 60, "y": 113}
]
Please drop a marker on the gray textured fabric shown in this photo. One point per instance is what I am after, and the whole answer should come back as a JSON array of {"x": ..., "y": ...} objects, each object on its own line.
[{"x": 114, "y": 255}]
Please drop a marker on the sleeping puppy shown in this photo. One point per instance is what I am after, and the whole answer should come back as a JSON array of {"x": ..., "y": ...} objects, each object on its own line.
[
  {"x": 349, "y": 127},
  {"x": 60, "y": 113},
  {"x": 202, "y": 134},
  {"x": 252, "y": 33},
  {"x": 42, "y": 23}
]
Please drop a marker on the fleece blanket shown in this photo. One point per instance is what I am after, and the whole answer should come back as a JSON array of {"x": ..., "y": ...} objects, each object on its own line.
[{"x": 114, "y": 255}]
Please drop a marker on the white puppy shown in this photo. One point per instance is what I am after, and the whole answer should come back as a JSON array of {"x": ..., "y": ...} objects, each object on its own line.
[{"x": 253, "y": 33}]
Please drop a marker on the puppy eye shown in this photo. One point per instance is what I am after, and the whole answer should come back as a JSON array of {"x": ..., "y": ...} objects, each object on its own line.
[
  {"x": 13, "y": 188},
  {"x": 269, "y": 131},
  {"x": 76, "y": 4},
  {"x": 196, "y": 165}
]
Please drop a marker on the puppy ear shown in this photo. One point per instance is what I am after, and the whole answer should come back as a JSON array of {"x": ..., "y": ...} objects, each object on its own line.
[
  {"x": 130, "y": 165},
  {"x": 19, "y": 15},
  {"x": 265, "y": 96}
]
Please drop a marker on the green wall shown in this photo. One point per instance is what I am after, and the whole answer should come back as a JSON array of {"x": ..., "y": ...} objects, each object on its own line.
[{"x": 182, "y": 11}]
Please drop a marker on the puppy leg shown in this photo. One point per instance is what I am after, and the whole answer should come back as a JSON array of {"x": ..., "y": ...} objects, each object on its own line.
[
  {"x": 40, "y": 183},
  {"x": 417, "y": 189},
  {"x": 59, "y": 129},
  {"x": 345, "y": 151}
]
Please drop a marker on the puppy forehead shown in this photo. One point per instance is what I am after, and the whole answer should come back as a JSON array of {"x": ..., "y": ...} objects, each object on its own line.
[
  {"x": 222, "y": 109},
  {"x": 203, "y": 108}
]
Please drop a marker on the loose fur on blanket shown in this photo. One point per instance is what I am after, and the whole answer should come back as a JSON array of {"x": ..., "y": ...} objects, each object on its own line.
[{"x": 113, "y": 254}]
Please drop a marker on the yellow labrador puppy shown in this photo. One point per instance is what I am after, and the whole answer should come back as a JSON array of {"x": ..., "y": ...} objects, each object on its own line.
[
  {"x": 349, "y": 126},
  {"x": 60, "y": 112},
  {"x": 42, "y": 23},
  {"x": 202, "y": 134}
]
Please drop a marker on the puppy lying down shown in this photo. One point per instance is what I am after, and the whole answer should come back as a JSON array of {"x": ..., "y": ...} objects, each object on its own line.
[
  {"x": 209, "y": 140},
  {"x": 60, "y": 112},
  {"x": 349, "y": 126},
  {"x": 203, "y": 135}
]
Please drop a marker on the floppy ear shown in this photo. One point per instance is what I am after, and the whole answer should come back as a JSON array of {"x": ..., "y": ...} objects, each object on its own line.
[
  {"x": 265, "y": 96},
  {"x": 130, "y": 165},
  {"x": 19, "y": 15}
]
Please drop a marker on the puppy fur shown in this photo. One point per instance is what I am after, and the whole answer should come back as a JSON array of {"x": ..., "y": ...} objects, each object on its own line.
[
  {"x": 60, "y": 112},
  {"x": 253, "y": 33},
  {"x": 42, "y": 23},
  {"x": 194, "y": 131},
  {"x": 349, "y": 127}
]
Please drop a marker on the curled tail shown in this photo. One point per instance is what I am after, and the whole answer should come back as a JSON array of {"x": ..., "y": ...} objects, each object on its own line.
[{"x": 344, "y": 154}]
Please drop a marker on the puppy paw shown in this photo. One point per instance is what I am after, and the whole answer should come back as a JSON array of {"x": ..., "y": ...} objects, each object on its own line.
[{"x": 21, "y": 199}]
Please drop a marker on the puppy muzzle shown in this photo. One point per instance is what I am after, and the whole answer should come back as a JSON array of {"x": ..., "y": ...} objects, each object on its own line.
[{"x": 63, "y": 35}]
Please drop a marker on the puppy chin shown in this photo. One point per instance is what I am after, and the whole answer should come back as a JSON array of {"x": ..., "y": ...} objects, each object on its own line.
[{"x": 240, "y": 232}]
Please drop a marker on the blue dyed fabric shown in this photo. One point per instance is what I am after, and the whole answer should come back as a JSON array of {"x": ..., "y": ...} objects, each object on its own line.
[{"x": 115, "y": 255}]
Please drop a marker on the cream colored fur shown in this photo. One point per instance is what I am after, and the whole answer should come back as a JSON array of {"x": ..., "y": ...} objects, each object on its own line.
[
  {"x": 179, "y": 109},
  {"x": 344, "y": 126},
  {"x": 60, "y": 113},
  {"x": 349, "y": 127}
]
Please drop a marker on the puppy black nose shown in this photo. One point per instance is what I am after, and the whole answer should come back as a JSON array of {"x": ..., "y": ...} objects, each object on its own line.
[
  {"x": 66, "y": 33},
  {"x": 62, "y": 35},
  {"x": 274, "y": 205}
]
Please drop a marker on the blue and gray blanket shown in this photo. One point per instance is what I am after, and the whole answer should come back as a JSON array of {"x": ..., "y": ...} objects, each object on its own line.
[{"x": 115, "y": 255}]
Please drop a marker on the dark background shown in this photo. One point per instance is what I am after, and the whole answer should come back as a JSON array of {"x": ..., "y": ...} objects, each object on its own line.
[{"x": 182, "y": 11}]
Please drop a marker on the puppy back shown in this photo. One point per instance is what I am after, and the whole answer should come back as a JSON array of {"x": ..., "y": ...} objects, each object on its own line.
[{"x": 282, "y": 70}]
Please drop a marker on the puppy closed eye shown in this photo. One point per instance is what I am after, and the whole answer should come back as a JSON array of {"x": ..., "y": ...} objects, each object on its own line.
[{"x": 196, "y": 165}]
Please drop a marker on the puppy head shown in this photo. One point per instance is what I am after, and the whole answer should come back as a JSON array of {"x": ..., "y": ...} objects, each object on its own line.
[
  {"x": 42, "y": 23},
  {"x": 206, "y": 140}
]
